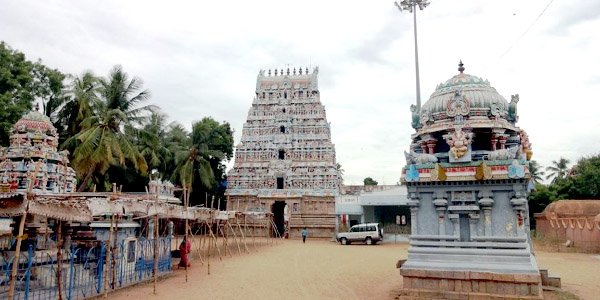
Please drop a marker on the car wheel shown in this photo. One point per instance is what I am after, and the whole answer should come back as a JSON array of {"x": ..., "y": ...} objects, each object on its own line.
[
  {"x": 369, "y": 241},
  {"x": 344, "y": 241}
]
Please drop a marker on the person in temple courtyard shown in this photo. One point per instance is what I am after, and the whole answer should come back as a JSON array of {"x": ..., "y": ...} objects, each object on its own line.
[
  {"x": 184, "y": 249},
  {"x": 304, "y": 234}
]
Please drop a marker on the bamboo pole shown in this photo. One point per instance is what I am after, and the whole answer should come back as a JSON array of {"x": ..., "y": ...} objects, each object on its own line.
[
  {"x": 15, "y": 265},
  {"x": 115, "y": 252},
  {"x": 186, "y": 201},
  {"x": 242, "y": 233},
  {"x": 209, "y": 244},
  {"x": 108, "y": 254},
  {"x": 220, "y": 226},
  {"x": 235, "y": 237},
  {"x": 20, "y": 236},
  {"x": 155, "y": 242},
  {"x": 59, "y": 244}
]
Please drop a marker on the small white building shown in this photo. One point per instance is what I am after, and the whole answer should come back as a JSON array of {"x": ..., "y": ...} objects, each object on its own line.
[{"x": 384, "y": 204}]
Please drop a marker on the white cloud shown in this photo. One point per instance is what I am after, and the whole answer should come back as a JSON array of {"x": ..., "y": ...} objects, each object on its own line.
[{"x": 201, "y": 59}]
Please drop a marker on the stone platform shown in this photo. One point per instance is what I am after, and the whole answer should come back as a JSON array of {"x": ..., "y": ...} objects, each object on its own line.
[{"x": 437, "y": 284}]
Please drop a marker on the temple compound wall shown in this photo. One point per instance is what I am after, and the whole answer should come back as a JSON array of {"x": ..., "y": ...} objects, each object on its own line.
[
  {"x": 467, "y": 177},
  {"x": 572, "y": 223},
  {"x": 285, "y": 162}
]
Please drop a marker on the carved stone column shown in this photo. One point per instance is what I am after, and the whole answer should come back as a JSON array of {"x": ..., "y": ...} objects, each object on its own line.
[
  {"x": 423, "y": 147},
  {"x": 502, "y": 140},
  {"x": 486, "y": 203},
  {"x": 455, "y": 225},
  {"x": 440, "y": 206},
  {"x": 494, "y": 142},
  {"x": 431, "y": 146},
  {"x": 473, "y": 220},
  {"x": 519, "y": 204},
  {"x": 413, "y": 203}
]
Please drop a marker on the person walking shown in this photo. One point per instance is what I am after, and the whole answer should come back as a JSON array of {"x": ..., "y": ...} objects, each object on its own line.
[{"x": 304, "y": 235}]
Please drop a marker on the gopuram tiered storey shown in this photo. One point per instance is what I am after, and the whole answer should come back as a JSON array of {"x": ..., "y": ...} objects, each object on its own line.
[
  {"x": 285, "y": 162},
  {"x": 467, "y": 178}
]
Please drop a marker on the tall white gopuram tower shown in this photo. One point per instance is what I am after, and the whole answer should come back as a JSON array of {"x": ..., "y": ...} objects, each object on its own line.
[{"x": 285, "y": 161}]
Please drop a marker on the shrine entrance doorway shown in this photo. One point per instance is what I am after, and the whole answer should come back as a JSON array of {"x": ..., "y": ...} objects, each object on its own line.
[{"x": 278, "y": 209}]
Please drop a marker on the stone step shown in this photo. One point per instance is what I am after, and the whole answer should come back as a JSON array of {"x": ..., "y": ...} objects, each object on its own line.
[{"x": 550, "y": 280}]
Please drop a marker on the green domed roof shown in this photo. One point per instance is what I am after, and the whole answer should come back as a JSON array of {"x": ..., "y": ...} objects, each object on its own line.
[{"x": 473, "y": 95}]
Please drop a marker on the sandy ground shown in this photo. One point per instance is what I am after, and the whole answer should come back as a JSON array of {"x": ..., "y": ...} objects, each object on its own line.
[{"x": 321, "y": 269}]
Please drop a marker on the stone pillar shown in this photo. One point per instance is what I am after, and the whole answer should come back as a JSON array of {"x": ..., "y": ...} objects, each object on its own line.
[
  {"x": 502, "y": 140},
  {"x": 473, "y": 220},
  {"x": 440, "y": 206},
  {"x": 455, "y": 225},
  {"x": 413, "y": 203},
  {"x": 486, "y": 203},
  {"x": 424, "y": 147},
  {"x": 494, "y": 142},
  {"x": 520, "y": 207},
  {"x": 431, "y": 146}
]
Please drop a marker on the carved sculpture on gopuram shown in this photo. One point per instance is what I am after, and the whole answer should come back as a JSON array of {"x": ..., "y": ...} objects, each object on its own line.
[
  {"x": 467, "y": 179},
  {"x": 32, "y": 159},
  {"x": 285, "y": 162},
  {"x": 459, "y": 142}
]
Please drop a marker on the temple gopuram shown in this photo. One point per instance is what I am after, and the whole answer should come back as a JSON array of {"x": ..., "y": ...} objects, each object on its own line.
[
  {"x": 285, "y": 162},
  {"x": 467, "y": 178},
  {"x": 33, "y": 155}
]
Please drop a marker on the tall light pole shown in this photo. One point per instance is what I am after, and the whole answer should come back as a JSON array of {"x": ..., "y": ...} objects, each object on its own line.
[{"x": 411, "y": 6}]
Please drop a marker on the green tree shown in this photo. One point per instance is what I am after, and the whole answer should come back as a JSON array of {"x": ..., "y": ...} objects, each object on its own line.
[
  {"x": 539, "y": 198},
  {"x": 118, "y": 92},
  {"x": 369, "y": 181},
  {"x": 21, "y": 83},
  {"x": 81, "y": 95},
  {"x": 150, "y": 142},
  {"x": 535, "y": 171},
  {"x": 584, "y": 183},
  {"x": 200, "y": 167},
  {"x": 558, "y": 170},
  {"x": 49, "y": 89},
  {"x": 102, "y": 142}
]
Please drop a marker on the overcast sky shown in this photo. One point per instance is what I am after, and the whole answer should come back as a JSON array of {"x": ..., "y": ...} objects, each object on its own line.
[{"x": 201, "y": 58}]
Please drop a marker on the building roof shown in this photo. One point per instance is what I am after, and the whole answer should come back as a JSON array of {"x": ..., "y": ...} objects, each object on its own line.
[
  {"x": 573, "y": 209},
  {"x": 480, "y": 99}
]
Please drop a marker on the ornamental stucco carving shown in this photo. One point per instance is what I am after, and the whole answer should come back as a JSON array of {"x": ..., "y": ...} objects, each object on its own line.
[
  {"x": 459, "y": 142},
  {"x": 458, "y": 105}
]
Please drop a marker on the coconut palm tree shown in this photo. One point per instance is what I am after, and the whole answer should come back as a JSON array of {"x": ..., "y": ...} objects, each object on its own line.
[
  {"x": 102, "y": 143},
  {"x": 151, "y": 142},
  {"x": 80, "y": 96},
  {"x": 119, "y": 92},
  {"x": 558, "y": 170},
  {"x": 535, "y": 171}
]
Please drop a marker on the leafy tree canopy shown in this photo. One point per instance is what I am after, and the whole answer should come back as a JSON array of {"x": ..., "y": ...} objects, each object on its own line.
[
  {"x": 369, "y": 181},
  {"x": 21, "y": 83}
]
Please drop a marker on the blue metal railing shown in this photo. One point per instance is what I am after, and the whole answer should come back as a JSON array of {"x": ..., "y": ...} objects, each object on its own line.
[{"x": 83, "y": 270}]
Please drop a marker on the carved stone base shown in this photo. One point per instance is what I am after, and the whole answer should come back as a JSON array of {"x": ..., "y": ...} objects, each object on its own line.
[{"x": 435, "y": 284}]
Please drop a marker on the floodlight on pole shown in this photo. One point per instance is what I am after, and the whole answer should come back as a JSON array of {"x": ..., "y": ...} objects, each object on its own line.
[{"x": 410, "y": 6}]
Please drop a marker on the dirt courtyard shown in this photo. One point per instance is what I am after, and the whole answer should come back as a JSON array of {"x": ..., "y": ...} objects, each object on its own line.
[{"x": 321, "y": 269}]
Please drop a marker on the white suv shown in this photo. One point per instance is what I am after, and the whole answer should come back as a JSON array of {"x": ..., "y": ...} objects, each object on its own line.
[{"x": 369, "y": 233}]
